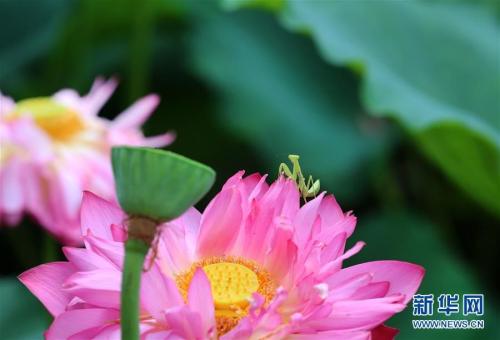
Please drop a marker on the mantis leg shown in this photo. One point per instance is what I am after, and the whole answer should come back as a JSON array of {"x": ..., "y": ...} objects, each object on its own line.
[{"x": 284, "y": 169}]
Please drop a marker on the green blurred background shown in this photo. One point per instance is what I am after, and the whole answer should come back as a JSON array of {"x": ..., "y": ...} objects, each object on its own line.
[{"x": 394, "y": 105}]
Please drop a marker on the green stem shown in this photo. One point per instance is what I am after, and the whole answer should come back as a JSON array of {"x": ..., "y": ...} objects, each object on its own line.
[{"x": 135, "y": 252}]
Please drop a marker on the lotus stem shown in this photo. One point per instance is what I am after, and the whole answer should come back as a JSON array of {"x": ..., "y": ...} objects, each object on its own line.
[{"x": 141, "y": 231}]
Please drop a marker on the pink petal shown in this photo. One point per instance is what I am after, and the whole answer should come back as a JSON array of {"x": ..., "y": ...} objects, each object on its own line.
[
  {"x": 330, "y": 211},
  {"x": 137, "y": 114},
  {"x": 100, "y": 287},
  {"x": 280, "y": 201},
  {"x": 97, "y": 215},
  {"x": 159, "y": 141},
  {"x": 282, "y": 252},
  {"x": 178, "y": 239},
  {"x": 109, "y": 250},
  {"x": 98, "y": 174},
  {"x": 156, "y": 334},
  {"x": 234, "y": 180},
  {"x": 99, "y": 94},
  {"x": 75, "y": 321},
  {"x": 305, "y": 219},
  {"x": 220, "y": 223},
  {"x": 45, "y": 282},
  {"x": 345, "y": 226},
  {"x": 360, "y": 314},
  {"x": 190, "y": 223},
  {"x": 119, "y": 233},
  {"x": 251, "y": 181},
  {"x": 372, "y": 291},
  {"x": 334, "y": 249},
  {"x": 110, "y": 332},
  {"x": 185, "y": 323},
  {"x": 200, "y": 300},
  {"x": 85, "y": 260},
  {"x": 77, "y": 303},
  {"x": 347, "y": 288},
  {"x": 404, "y": 277},
  {"x": 11, "y": 188},
  {"x": 158, "y": 292},
  {"x": 333, "y": 266},
  {"x": 291, "y": 200},
  {"x": 259, "y": 189},
  {"x": 69, "y": 98},
  {"x": 65, "y": 193},
  {"x": 238, "y": 183},
  {"x": 27, "y": 135},
  {"x": 174, "y": 254}
]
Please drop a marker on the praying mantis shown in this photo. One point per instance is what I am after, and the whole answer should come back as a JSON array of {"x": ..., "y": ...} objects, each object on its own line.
[{"x": 307, "y": 189}]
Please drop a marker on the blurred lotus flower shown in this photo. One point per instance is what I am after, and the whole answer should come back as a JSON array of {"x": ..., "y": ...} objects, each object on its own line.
[
  {"x": 53, "y": 148},
  {"x": 254, "y": 265}
]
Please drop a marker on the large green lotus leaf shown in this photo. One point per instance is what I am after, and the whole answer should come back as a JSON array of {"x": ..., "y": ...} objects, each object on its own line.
[
  {"x": 277, "y": 93},
  {"x": 408, "y": 237},
  {"x": 21, "y": 316},
  {"x": 29, "y": 29},
  {"x": 476, "y": 160},
  {"x": 158, "y": 184},
  {"x": 433, "y": 66}
]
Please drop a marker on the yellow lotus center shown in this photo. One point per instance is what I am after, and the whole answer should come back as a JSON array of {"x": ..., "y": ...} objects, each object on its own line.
[
  {"x": 58, "y": 121},
  {"x": 233, "y": 280},
  {"x": 232, "y": 284}
]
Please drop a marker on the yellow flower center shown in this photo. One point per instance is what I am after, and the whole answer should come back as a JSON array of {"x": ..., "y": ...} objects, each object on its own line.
[
  {"x": 233, "y": 280},
  {"x": 232, "y": 284},
  {"x": 60, "y": 122}
]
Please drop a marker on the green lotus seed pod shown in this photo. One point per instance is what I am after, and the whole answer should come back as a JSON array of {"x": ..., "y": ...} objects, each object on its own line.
[{"x": 158, "y": 184}]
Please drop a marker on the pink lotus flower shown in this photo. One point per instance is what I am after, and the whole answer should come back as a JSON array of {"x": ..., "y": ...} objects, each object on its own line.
[
  {"x": 55, "y": 147},
  {"x": 254, "y": 265}
]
